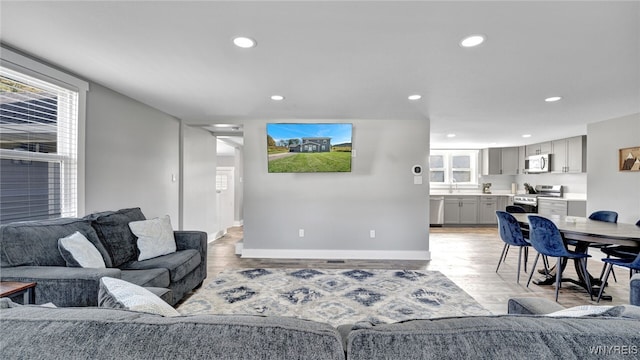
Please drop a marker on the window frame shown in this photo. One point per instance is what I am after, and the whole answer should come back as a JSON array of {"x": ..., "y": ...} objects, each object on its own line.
[
  {"x": 448, "y": 169},
  {"x": 18, "y": 62}
]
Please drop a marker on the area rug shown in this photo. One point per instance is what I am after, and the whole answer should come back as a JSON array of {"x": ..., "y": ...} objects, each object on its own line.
[{"x": 333, "y": 296}]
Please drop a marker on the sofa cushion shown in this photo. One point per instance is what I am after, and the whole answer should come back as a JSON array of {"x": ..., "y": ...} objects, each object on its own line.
[
  {"x": 119, "y": 294},
  {"x": 77, "y": 251},
  {"x": 100, "y": 333},
  {"x": 157, "y": 277},
  {"x": 493, "y": 337},
  {"x": 113, "y": 231},
  {"x": 155, "y": 237},
  {"x": 588, "y": 310},
  {"x": 179, "y": 263},
  {"x": 35, "y": 243}
]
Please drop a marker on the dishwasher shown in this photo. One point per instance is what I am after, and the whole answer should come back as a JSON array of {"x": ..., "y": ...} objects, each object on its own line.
[{"x": 436, "y": 210}]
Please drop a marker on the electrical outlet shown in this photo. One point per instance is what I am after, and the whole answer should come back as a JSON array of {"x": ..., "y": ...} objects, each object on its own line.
[
  {"x": 372, "y": 234},
  {"x": 301, "y": 232}
]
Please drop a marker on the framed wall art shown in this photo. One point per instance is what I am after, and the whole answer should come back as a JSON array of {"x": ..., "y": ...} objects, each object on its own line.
[{"x": 630, "y": 159}]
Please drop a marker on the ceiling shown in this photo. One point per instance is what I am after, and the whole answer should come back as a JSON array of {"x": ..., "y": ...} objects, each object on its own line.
[{"x": 353, "y": 60}]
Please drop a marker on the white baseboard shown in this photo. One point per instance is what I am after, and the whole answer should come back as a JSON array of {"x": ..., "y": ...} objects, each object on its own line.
[
  {"x": 335, "y": 254},
  {"x": 239, "y": 247},
  {"x": 215, "y": 236},
  {"x": 238, "y": 223}
]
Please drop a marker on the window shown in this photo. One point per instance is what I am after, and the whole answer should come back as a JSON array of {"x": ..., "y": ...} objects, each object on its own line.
[
  {"x": 221, "y": 182},
  {"x": 38, "y": 144},
  {"x": 447, "y": 167}
]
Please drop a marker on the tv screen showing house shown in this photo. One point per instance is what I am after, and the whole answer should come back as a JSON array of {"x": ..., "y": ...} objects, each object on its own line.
[{"x": 304, "y": 148}]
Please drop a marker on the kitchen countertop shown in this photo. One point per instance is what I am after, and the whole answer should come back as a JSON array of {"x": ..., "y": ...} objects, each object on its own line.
[
  {"x": 468, "y": 193},
  {"x": 565, "y": 197}
]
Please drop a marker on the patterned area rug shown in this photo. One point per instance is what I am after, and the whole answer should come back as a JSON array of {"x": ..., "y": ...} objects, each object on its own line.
[{"x": 333, "y": 296}]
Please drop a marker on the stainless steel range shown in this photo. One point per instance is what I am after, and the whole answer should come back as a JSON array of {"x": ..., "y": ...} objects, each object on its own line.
[{"x": 530, "y": 201}]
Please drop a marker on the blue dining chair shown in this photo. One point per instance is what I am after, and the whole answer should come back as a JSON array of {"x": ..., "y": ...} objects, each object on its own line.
[
  {"x": 511, "y": 234},
  {"x": 633, "y": 265},
  {"x": 604, "y": 215},
  {"x": 547, "y": 240},
  {"x": 624, "y": 252},
  {"x": 515, "y": 209}
]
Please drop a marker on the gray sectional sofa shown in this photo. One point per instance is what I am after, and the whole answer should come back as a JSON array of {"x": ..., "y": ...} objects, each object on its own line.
[
  {"x": 36, "y": 332},
  {"x": 29, "y": 253}
]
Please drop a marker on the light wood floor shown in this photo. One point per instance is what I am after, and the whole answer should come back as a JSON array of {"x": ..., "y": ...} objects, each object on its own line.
[{"x": 466, "y": 255}]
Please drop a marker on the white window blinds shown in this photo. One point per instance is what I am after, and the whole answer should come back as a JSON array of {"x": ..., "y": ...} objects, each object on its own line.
[{"x": 38, "y": 148}]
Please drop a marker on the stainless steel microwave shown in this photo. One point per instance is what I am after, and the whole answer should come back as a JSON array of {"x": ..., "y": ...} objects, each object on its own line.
[{"x": 538, "y": 163}]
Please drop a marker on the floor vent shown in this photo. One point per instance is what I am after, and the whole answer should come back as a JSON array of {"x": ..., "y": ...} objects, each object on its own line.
[{"x": 335, "y": 261}]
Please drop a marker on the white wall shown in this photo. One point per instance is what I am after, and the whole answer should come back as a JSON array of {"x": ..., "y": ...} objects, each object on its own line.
[
  {"x": 198, "y": 176},
  {"x": 609, "y": 188},
  {"x": 131, "y": 154},
  {"x": 337, "y": 210}
]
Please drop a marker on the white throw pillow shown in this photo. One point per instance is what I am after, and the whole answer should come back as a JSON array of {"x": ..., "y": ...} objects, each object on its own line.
[
  {"x": 582, "y": 310},
  {"x": 155, "y": 237},
  {"x": 120, "y": 294},
  {"x": 77, "y": 251}
]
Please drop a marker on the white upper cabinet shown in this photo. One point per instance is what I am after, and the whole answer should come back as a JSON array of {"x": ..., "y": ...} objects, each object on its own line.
[
  {"x": 569, "y": 155},
  {"x": 500, "y": 161},
  {"x": 539, "y": 148}
]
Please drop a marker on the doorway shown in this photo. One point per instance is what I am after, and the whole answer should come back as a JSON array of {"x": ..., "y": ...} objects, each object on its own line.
[{"x": 225, "y": 197}]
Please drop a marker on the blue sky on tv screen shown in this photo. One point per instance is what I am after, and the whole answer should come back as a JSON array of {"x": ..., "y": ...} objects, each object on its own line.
[{"x": 339, "y": 133}]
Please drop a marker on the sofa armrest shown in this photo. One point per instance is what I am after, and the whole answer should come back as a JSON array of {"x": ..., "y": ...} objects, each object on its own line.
[
  {"x": 62, "y": 286},
  {"x": 634, "y": 290},
  {"x": 191, "y": 240},
  {"x": 533, "y": 306}
]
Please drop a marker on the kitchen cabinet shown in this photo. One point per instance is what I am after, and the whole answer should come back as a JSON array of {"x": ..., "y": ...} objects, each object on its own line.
[
  {"x": 522, "y": 157},
  {"x": 500, "y": 161},
  {"x": 461, "y": 210},
  {"x": 562, "y": 207},
  {"x": 569, "y": 155},
  {"x": 552, "y": 207},
  {"x": 487, "y": 210},
  {"x": 539, "y": 148}
]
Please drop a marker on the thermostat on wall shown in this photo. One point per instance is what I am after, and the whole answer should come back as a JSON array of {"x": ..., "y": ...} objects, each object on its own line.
[{"x": 416, "y": 170}]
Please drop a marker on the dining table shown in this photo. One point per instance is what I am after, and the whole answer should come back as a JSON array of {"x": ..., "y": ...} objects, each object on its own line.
[{"x": 585, "y": 232}]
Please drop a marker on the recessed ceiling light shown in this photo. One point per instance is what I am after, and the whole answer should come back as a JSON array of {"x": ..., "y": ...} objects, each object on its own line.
[
  {"x": 415, "y": 97},
  {"x": 526, "y": 135},
  {"x": 277, "y": 97},
  {"x": 553, "y": 99},
  {"x": 451, "y": 135},
  {"x": 473, "y": 40},
  {"x": 244, "y": 42}
]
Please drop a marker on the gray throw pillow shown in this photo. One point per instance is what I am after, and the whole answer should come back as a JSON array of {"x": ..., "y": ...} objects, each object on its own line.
[{"x": 114, "y": 233}]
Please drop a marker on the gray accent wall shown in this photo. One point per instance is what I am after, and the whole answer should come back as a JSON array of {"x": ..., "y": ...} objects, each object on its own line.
[
  {"x": 132, "y": 152},
  {"x": 199, "y": 211},
  {"x": 338, "y": 210},
  {"x": 607, "y": 187}
]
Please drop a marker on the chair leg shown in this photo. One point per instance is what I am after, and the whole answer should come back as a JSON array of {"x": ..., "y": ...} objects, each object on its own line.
[
  {"x": 604, "y": 267},
  {"x": 604, "y": 282},
  {"x": 535, "y": 261},
  {"x": 526, "y": 257},
  {"x": 519, "y": 261},
  {"x": 545, "y": 261},
  {"x": 503, "y": 255},
  {"x": 558, "y": 277}
]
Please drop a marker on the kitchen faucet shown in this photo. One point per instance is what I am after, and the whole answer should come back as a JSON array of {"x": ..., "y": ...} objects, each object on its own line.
[{"x": 451, "y": 185}]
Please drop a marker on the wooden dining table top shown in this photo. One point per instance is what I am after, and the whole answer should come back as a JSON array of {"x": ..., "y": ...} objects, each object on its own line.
[{"x": 593, "y": 231}]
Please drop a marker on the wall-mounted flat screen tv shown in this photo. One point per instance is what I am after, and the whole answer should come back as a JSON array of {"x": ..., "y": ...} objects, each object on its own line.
[{"x": 304, "y": 148}]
